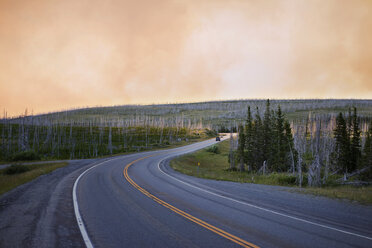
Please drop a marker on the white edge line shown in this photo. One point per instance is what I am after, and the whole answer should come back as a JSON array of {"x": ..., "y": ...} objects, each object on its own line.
[
  {"x": 260, "y": 208},
  {"x": 79, "y": 219}
]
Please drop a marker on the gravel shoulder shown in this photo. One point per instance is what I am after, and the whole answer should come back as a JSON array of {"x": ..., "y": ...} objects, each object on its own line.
[{"x": 40, "y": 213}]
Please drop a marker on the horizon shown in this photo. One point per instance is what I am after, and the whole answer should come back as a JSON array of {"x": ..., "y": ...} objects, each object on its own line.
[
  {"x": 30, "y": 112},
  {"x": 65, "y": 55}
]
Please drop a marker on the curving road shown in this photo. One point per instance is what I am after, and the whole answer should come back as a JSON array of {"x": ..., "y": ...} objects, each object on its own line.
[{"x": 138, "y": 201}]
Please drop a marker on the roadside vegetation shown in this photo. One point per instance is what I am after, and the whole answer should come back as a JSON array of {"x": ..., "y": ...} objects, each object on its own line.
[
  {"x": 216, "y": 166},
  {"x": 18, "y": 174},
  {"x": 320, "y": 153},
  {"x": 101, "y": 131},
  {"x": 33, "y": 141},
  {"x": 304, "y": 143},
  {"x": 318, "y": 150}
]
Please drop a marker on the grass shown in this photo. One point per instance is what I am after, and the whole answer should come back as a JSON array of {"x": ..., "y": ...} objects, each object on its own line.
[
  {"x": 362, "y": 194},
  {"x": 214, "y": 166},
  {"x": 21, "y": 176},
  {"x": 18, "y": 174}
]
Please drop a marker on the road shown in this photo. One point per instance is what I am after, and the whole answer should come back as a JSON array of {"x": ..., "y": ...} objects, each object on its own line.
[{"x": 139, "y": 201}]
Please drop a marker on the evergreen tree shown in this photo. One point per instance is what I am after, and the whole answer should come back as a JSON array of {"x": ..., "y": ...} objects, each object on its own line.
[
  {"x": 270, "y": 140},
  {"x": 241, "y": 147},
  {"x": 355, "y": 146},
  {"x": 257, "y": 142},
  {"x": 267, "y": 135},
  {"x": 367, "y": 152},
  {"x": 280, "y": 148},
  {"x": 342, "y": 143},
  {"x": 249, "y": 144},
  {"x": 349, "y": 126},
  {"x": 290, "y": 145}
]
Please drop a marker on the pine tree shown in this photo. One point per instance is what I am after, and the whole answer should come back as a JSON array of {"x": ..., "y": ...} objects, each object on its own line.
[
  {"x": 342, "y": 143},
  {"x": 367, "y": 153},
  {"x": 249, "y": 142},
  {"x": 279, "y": 145},
  {"x": 349, "y": 126},
  {"x": 355, "y": 146},
  {"x": 241, "y": 147},
  {"x": 290, "y": 145},
  {"x": 258, "y": 142},
  {"x": 267, "y": 135}
]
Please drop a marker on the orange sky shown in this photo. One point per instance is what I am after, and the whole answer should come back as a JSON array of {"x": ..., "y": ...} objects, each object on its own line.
[{"x": 61, "y": 54}]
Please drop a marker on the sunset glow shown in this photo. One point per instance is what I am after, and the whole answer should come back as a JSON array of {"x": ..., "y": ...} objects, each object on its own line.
[{"x": 63, "y": 54}]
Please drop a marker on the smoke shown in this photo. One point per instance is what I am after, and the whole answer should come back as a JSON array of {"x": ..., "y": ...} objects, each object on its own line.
[{"x": 62, "y": 54}]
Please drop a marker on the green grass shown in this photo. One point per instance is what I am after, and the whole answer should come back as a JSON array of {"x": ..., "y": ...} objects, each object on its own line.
[
  {"x": 214, "y": 166},
  {"x": 8, "y": 182},
  {"x": 361, "y": 194}
]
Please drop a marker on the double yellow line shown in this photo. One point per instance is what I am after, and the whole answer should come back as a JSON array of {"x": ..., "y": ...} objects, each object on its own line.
[{"x": 204, "y": 224}]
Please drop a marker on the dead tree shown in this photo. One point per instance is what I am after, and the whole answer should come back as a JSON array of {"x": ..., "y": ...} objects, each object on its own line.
[{"x": 231, "y": 153}]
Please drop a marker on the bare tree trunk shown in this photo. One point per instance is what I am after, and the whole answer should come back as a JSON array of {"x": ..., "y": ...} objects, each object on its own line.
[
  {"x": 110, "y": 141},
  {"x": 146, "y": 136},
  {"x": 161, "y": 135},
  {"x": 231, "y": 154},
  {"x": 299, "y": 170},
  {"x": 292, "y": 159},
  {"x": 242, "y": 164}
]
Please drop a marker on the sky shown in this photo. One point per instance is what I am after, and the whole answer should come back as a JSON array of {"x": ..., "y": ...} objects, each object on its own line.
[{"x": 57, "y": 55}]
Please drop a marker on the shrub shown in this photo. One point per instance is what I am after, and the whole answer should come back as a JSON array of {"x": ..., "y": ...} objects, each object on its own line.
[
  {"x": 16, "y": 169},
  {"x": 25, "y": 156},
  {"x": 210, "y": 132},
  {"x": 284, "y": 179},
  {"x": 213, "y": 149}
]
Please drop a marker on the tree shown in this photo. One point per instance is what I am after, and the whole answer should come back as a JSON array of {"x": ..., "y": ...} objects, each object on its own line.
[
  {"x": 109, "y": 145},
  {"x": 279, "y": 146},
  {"x": 241, "y": 147},
  {"x": 349, "y": 126},
  {"x": 342, "y": 143},
  {"x": 257, "y": 142},
  {"x": 367, "y": 152},
  {"x": 267, "y": 134},
  {"x": 355, "y": 146},
  {"x": 249, "y": 142},
  {"x": 290, "y": 144}
]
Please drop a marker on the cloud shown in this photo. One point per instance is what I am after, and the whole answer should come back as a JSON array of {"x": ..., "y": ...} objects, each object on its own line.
[{"x": 79, "y": 53}]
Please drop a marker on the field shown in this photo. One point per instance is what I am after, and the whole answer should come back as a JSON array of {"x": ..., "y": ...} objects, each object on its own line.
[{"x": 216, "y": 166}]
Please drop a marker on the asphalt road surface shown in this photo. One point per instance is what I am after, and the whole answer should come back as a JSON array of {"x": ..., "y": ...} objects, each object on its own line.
[{"x": 139, "y": 201}]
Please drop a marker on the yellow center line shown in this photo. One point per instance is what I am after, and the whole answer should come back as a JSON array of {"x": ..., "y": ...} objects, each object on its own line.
[{"x": 200, "y": 222}]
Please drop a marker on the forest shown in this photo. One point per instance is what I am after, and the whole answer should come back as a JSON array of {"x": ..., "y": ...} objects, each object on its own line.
[
  {"x": 306, "y": 131},
  {"x": 313, "y": 150},
  {"x": 32, "y": 140}
]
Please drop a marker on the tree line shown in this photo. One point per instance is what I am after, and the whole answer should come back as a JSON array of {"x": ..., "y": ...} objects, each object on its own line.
[
  {"x": 34, "y": 141},
  {"x": 212, "y": 115},
  {"x": 316, "y": 148},
  {"x": 348, "y": 150},
  {"x": 266, "y": 141}
]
